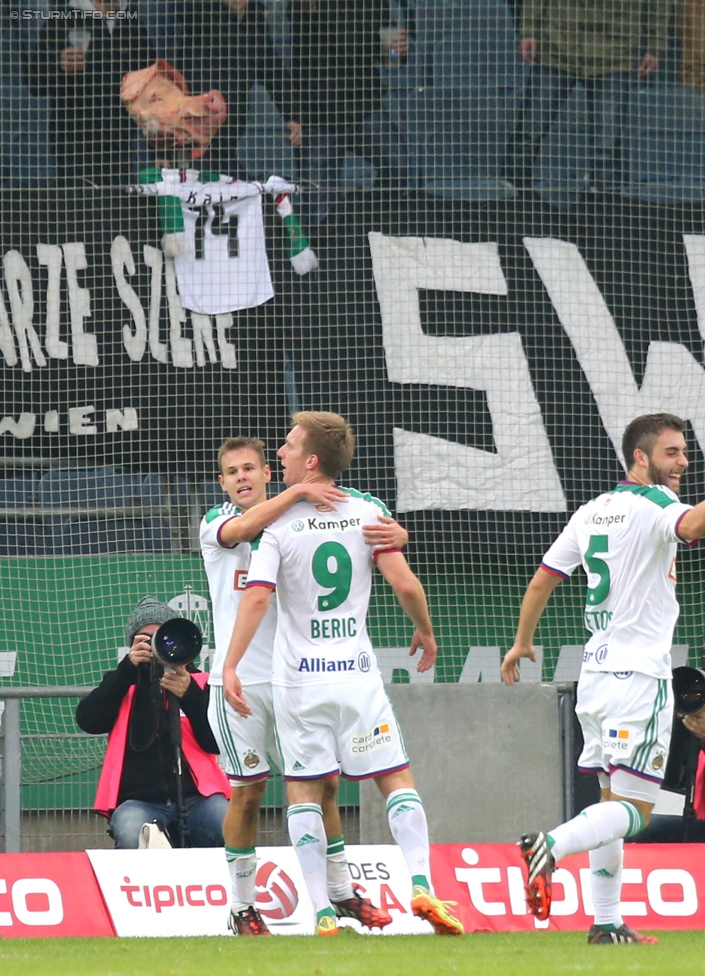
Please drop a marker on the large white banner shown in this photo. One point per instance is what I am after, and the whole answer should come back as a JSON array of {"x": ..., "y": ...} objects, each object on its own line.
[{"x": 187, "y": 892}]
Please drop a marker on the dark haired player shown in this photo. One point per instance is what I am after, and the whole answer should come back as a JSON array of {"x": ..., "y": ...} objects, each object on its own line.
[{"x": 626, "y": 541}]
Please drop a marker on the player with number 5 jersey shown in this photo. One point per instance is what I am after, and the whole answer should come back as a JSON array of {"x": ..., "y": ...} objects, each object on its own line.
[{"x": 626, "y": 542}]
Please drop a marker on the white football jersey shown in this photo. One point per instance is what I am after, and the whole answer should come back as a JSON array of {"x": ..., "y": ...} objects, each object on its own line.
[
  {"x": 321, "y": 568},
  {"x": 224, "y": 266},
  {"x": 626, "y": 541},
  {"x": 227, "y": 570}
]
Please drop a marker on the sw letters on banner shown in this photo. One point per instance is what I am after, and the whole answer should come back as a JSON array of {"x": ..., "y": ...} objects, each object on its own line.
[{"x": 502, "y": 349}]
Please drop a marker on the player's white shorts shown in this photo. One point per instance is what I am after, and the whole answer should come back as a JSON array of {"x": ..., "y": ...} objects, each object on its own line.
[
  {"x": 626, "y": 720},
  {"x": 246, "y": 744},
  {"x": 350, "y": 727}
]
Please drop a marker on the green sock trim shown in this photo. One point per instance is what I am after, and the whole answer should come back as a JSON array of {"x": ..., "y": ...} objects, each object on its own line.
[
  {"x": 608, "y": 928},
  {"x": 403, "y": 798},
  {"x": 231, "y": 853},
  {"x": 336, "y": 845},
  {"x": 420, "y": 881},
  {"x": 550, "y": 841},
  {"x": 636, "y": 820},
  {"x": 304, "y": 808},
  {"x": 323, "y": 912}
]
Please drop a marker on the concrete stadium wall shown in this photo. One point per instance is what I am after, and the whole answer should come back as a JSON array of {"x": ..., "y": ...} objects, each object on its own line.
[{"x": 487, "y": 761}]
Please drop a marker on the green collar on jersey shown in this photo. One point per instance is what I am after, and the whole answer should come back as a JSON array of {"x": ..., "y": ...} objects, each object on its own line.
[
  {"x": 658, "y": 494},
  {"x": 365, "y": 496}
]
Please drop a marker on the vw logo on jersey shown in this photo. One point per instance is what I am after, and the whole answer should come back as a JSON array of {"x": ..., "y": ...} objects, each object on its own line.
[
  {"x": 297, "y": 525},
  {"x": 363, "y": 662},
  {"x": 601, "y": 653}
]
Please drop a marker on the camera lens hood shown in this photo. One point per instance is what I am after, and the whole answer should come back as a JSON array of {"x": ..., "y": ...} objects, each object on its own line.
[
  {"x": 177, "y": 642},
  {"x": 688, "y": 689}
]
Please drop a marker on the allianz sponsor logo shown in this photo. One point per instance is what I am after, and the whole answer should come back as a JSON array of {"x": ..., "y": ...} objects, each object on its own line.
[
  {"x": 317, "y": 524},
  {"x": 318, "y": 664},
  {"x": 600, "y": 654}
]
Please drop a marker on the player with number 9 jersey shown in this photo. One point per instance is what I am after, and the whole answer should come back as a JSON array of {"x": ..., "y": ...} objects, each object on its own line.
[{"x": 321, "y": 568}]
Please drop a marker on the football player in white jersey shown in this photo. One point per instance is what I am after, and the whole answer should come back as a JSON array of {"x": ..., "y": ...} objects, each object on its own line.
[
  {"x": 626, "y": 542},
  {"x": 332, "y": 712},
  {"x": 245, "y": 744}
]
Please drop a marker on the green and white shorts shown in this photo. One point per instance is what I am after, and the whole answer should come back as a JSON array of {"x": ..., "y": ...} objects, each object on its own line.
[
  {"x": 246, "y": 744},
  {"x": 626, "y": 720},
  {"x": 347, "y": 727}
]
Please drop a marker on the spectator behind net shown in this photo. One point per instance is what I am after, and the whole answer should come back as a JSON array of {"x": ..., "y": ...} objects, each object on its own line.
[
  {"x": 78, "y": 63},
  {"x": 599, "y": 45},
  {"x": 337, "y": 49},
  {"x": 231, "y": 50}
]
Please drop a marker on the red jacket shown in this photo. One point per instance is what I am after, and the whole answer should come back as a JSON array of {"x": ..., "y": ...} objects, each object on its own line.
[
  {"x": 207, "y": 774},
  {"x": 699, "y": 792}
]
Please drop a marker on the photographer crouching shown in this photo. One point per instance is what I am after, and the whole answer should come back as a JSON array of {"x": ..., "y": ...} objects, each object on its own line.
[
  {"x": 685, "y": 770},
  {"x": 146, "y": 778}
]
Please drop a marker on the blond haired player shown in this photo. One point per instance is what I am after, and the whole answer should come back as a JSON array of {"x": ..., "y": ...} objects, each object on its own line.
[
  {"x": 331, "y": 709},
  {"x": 245, "y": 744}
]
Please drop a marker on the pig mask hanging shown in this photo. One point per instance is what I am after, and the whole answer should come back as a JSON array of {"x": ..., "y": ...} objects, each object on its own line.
[{"x": 158, "y": 100}]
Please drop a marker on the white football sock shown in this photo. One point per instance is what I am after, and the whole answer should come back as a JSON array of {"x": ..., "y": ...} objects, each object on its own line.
[
  {"x": 337, "y": 871},
  {"x": 242, "y": 866},
  {"x": 308, "y": 838},
  {"x": 407, "y": 822},
  {"x": 596, "y": 826},
  {"x": 606, "y": 882}
]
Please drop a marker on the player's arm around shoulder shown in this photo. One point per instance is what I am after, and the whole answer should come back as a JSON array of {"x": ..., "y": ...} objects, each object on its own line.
[
  {"x": 386, "y": 533},
  {"x": 534, "y": 603},
  {"x": 246, "y": 527},
  {"x": 412, "y": 597}
]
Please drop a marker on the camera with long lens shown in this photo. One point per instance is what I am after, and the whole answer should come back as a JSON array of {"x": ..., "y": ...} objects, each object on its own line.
[
  {"x": 688, "y": 690},
  {"x": 177, "y": 642}
]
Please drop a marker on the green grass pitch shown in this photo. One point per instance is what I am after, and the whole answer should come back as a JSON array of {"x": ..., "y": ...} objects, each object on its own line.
[{"x": 352, "y": 955}]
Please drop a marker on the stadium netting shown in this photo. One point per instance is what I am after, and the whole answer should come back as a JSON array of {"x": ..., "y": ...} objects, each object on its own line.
[{"x": 488, "y": 337}]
